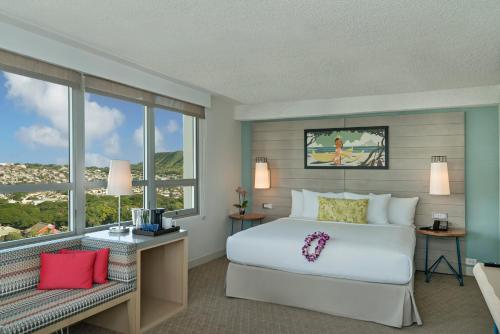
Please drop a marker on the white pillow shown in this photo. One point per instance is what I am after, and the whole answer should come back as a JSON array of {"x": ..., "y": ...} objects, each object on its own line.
[
  {"x": 311, "y": 202},
  {"x": 402, "y": 210},
  {"x": 297, "y": 204},
  {"x": 378, "y": 207}
]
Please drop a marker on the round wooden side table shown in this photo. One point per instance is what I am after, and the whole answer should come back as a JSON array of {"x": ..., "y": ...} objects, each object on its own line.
[
  {"x": 250, "y": 217},
  {"x": 452, "y": 233}
]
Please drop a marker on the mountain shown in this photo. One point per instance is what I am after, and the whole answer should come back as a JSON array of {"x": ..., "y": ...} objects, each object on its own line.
[
  {"x": 170, "y": 163},
  {"x": 169, "y": 159}
]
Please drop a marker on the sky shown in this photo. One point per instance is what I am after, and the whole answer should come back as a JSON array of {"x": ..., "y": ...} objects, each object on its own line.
[{"x": 34, "y": 125}]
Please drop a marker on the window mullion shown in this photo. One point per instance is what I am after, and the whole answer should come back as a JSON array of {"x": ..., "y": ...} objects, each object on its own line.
[
  {"x": 182, "y": 213},
  {"x": 34, "y": 187},
  {"x": 176, "y": 183},
  {"x": 77, "y": 154},
  {"x": 95, "y": 184},
  {"x": 149, "y": 158}
]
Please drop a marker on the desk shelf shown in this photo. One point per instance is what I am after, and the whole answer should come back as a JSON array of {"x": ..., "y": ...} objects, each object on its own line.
[
  {"x": 155, "y": 310},
  {"x": 161, "y": 282}
]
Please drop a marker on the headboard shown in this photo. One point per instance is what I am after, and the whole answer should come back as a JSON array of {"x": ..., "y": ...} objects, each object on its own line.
[{"x": 413, "y": 139}]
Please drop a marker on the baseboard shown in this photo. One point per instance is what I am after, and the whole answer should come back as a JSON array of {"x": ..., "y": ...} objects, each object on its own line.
[
  {"x": 468, "y": 271},
  {"x": 206, "y": 258}
]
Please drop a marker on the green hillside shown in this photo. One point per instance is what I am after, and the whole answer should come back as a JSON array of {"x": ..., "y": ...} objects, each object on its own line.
[
  {"x": 172, "y": 160},
  {"x": 166, "y": 163}
]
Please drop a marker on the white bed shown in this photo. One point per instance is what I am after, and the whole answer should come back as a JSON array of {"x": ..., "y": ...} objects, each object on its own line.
[
  {"x": 364, "y": 272},
  {"x": 369, "y": 253}
]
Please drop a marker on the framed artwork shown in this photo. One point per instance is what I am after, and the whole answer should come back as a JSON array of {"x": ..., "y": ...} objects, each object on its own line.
[{"x": 347, "y": 148}]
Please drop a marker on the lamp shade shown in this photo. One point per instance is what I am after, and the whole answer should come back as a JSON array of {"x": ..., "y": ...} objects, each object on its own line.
[
  {"x": 262, "y": 174},
  {"x": 119, "y": 178},
  {"x": 439, "y": 181}
]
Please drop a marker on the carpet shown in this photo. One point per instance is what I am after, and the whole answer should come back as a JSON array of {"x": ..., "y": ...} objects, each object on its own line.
[{"x": 444, "y": 306}]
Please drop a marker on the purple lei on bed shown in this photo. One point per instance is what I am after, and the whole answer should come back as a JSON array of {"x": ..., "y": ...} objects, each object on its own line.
[{"x": 323, "y": 238}]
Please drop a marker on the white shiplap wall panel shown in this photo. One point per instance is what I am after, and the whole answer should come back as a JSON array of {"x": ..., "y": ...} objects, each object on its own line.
[{"x": 413, "y": 139}]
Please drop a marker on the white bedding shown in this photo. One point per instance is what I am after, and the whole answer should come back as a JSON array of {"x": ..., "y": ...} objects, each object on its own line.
[{"x": 370, "y": 253}]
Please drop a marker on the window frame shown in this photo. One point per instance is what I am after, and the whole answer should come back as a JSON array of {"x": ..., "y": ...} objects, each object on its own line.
[
  {"x": 77, "y": 185},
  {"x": 69, "y": 187},
  {"x": 153, "y": 183},
  {"x": 104, "y": 183}
]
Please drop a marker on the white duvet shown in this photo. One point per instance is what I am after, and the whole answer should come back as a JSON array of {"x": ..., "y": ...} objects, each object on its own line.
[{"x": 370, "y": 253}]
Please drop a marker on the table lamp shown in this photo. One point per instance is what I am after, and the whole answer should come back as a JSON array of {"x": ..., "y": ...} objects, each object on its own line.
[{"x": 119, "y": 183}]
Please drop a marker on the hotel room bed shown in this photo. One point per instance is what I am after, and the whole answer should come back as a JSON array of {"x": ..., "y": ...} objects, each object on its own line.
[{"x": 364, "y": 272}]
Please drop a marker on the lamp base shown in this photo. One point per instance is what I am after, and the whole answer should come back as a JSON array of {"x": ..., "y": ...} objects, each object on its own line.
[{"x": 118, "y": 229}]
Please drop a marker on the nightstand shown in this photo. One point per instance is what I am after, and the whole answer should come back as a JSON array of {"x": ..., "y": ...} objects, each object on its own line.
[
  {"x": 251, "y": 217},
  {"x": 452, "y": 233}
]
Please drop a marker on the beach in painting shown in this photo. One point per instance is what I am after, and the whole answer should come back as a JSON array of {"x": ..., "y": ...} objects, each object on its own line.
[{"x": 346, "y": 148}]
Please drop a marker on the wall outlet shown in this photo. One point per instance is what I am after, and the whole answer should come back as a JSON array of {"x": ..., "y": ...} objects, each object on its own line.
[
  {"x": 267, "y": 205},
  {"x": 439, "y": 216},
  {"x": 470, "y": 262}
]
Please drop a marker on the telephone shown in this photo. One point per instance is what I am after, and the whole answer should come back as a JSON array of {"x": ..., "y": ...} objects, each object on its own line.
[{"x": 438, "y": 225}]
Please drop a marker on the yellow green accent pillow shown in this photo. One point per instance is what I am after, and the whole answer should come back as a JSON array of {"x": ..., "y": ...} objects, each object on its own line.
[{"x": 343, "y": 210}]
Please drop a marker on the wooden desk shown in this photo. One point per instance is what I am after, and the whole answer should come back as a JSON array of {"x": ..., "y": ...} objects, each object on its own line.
[
  {"x": 251, "y": 217},
  {"x": 162, "y": 277},
  {"x": 452, "y": 233}
]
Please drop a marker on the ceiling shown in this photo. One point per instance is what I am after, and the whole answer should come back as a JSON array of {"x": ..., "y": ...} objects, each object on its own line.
[{"x": 277, "y": 50}]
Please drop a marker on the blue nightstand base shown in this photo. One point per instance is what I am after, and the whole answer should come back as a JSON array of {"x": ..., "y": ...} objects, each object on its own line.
[{"x": 430, "y": 270}]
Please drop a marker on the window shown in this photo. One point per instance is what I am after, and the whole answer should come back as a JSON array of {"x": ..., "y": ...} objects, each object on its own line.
[
  {"x": 114, "y": 129},
  {"x": 34, "y": 157},
  {"x": 102, "y": 209},
  {"x": 176, "y": 198},
  {"x": 60, "y": 128},
  {"x": 175, "y": 161}
]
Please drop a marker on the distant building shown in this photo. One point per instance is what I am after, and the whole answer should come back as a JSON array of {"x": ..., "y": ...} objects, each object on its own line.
[{"x": 41, "y": 229}]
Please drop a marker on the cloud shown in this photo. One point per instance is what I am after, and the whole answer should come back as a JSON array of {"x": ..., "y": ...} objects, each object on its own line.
[
  {"x": 172, "y": 126},
  {"x": 50, "y": 101},
  {"x": 112, "y": 145},
  {"x": 367, "y": 139},
  {"x": 46, "y": 99},
  {"x": 100, "y": 121},
  {"x": 96, "y": 160},
  {"x": 160, "y": 145},
  {"x": 159, "y": 139},
  {"x": 139, "y": 136},
  {"x": 42, "y": 135}
]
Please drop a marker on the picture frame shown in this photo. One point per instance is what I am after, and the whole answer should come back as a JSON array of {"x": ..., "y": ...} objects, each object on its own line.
[{"x": 347, "y": 148}]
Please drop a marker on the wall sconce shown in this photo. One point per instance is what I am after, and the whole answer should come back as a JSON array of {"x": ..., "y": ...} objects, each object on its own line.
[
  {"x": 439, "y": 183},
  {"x": 262, "y": 174}
]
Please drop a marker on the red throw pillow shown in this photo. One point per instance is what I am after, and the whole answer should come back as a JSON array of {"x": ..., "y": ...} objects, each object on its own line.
[
  {"x": 66, "y": 271},
  {"x": 100, "y": 265}
]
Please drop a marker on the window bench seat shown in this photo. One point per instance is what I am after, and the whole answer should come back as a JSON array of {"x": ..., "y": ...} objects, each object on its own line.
[{"x": 24, "y": 309}]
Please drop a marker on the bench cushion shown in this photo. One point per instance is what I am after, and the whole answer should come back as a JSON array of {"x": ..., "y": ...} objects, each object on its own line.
[
  {"x": 28, "y": 311},
  {"x": 122, "y": 258},
  {"x": 21, "y": 265}
]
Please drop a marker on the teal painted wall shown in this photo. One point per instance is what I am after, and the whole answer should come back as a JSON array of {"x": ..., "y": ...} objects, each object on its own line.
[
  {"x": 481, "y": 177},
  {"x": 481, "y": 183},
  {"x": 246, "y": 159}
]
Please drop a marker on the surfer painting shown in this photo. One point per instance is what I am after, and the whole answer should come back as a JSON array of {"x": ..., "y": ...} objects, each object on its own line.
[{"x": 365, "y": 148}]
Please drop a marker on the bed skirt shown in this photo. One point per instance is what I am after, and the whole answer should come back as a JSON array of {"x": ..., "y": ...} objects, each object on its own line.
[{"x": 387, "y": 304}]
